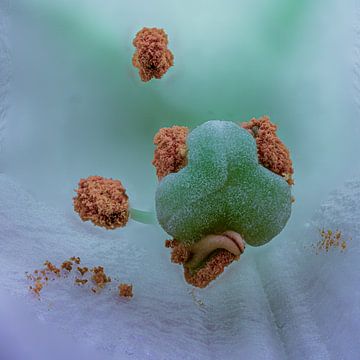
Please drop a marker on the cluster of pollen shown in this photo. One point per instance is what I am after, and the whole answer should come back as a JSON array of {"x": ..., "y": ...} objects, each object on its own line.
[
  {"x": 152, "y": 57},
  {"x": 84, "y": 275},
  {"x": 330, "y": 240},
  {"x": 213, "y": 267},
  {"x": 170, "y": 150},
  {"x": 102, "y": 201},
  {"x": 272, "y": 152},
  {"x": 125, "y": 290},
  {"x": 50, "y": 272},
  {"x": 99, "y": 278}
]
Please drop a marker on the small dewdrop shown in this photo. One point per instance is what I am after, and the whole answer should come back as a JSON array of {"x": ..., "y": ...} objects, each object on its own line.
[{"x": 152, "y": 57}]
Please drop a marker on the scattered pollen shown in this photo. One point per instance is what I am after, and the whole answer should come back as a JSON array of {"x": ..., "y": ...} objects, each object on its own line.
[
  {"x": 75, "y": 259},
  {"x": 40, "y": 277},
  {"x": 80, "y": 281},
  {"x": 99, "y": 278},
  {"x": 125, "y": 290},
  {"x": 52, "y": 268},
  {"x": 36, "y": 288},
  {"x": 329, "y": 240},
  {"x": 82, "y": 270},
  {"x": 67, "y": 265}
]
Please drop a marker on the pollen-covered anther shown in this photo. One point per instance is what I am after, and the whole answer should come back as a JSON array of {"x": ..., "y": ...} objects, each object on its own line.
[
  {"x": 205, "y": 260},
  {"x": 102, "y": 201},
  {"x": 152, "y": 57},
  {"x": 229, "y": 240},
  {"x": 171, "y": 151},
  {"x": 180, "y": 253},
  {"x": 214, "y": 267},
  {"x": 272, "y": 152}
]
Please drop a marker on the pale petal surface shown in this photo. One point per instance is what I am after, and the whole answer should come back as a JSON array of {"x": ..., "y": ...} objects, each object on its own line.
[{"x": 81, "y": 110}]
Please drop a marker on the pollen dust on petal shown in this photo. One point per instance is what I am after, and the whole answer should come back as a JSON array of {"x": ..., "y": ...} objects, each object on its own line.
[{"x": 83, "y": 276}]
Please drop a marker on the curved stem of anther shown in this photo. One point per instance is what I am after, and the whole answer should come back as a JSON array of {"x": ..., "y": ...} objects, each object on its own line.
[{"x": 229, "y": 240}]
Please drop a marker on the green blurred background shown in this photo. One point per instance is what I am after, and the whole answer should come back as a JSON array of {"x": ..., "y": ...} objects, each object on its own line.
[{"x": 81, "y": 108}]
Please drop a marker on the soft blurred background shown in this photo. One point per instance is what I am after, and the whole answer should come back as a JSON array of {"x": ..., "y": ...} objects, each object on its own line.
[
  {"x": 78, "y": 108},
  {"x": 81, "y": 108}
]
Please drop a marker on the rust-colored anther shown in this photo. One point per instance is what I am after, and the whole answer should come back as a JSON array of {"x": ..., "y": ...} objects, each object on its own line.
[
  {"x": 205, "y": 260},
  {"x": 171, "y": 151},
  {"x": 102, "y": 201},
  {"x": 272, "y": 152},
  {"x": 152, "y": 57},
  {"x": 230, "y": 241},
  {"x": 214, "y": 267}
]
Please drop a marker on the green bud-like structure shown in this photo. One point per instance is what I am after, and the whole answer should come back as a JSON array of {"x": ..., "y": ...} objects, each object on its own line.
[{"x": 223, "y": 187}]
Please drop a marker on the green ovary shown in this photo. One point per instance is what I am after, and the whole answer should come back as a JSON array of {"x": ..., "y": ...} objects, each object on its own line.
[{"x": 223, "y": 187}]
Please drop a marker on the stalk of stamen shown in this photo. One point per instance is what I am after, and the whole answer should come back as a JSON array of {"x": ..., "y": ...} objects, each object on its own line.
[
  {"x": 145, "y": 217},
  {"x": 229, "y": 241}
]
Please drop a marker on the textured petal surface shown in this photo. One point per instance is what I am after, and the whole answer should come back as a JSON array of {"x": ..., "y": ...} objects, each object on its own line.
[
  {"x": 278, "y": 302},
  {"x": 281, "y": 301}
]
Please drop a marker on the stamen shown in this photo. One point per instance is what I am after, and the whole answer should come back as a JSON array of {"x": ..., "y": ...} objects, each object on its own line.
[
  {"x": 229, "y": 240},
  {"x": 145, "y": 217}
]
